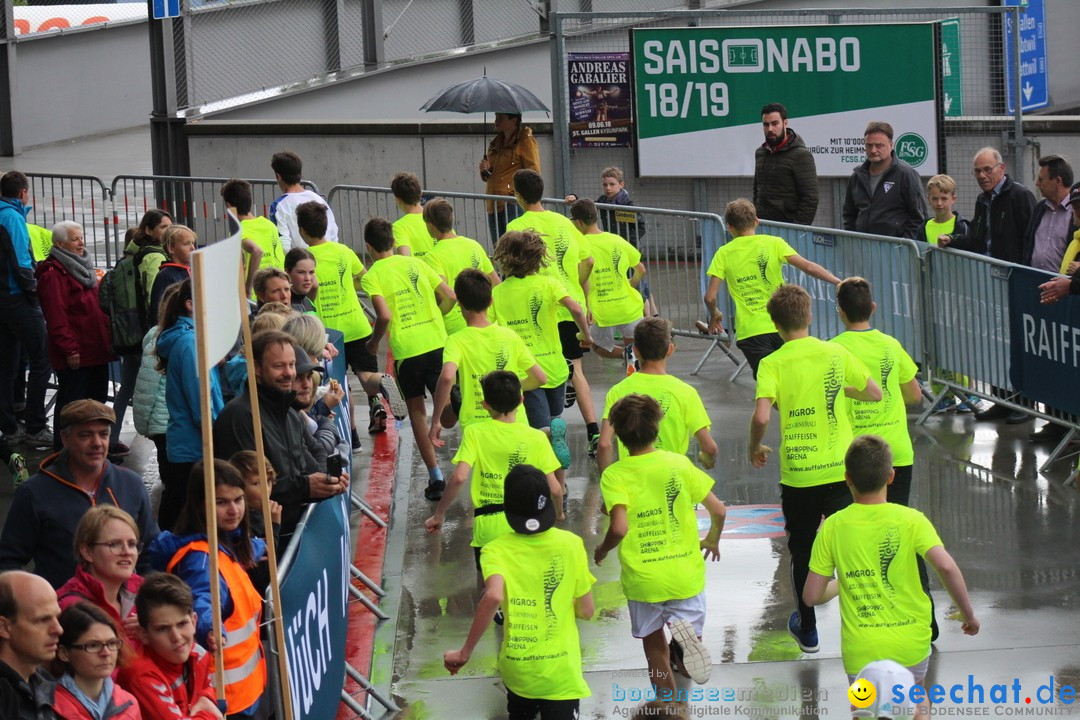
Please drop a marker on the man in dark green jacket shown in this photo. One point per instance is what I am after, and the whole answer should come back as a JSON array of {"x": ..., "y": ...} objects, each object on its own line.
[{"x": 785, "y": 176}]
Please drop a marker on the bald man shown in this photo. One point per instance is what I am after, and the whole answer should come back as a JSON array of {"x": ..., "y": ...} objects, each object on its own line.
[{"x": 29, "y": 634}]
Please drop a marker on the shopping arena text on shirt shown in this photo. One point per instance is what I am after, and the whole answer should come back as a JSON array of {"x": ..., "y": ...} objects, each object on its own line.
[{"x": 1000, "y": 699}]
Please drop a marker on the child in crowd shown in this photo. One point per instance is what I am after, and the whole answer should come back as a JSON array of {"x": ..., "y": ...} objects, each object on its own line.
[
  {"x": 453, "y": 253},
  {"x": 751, "y": 265},
  {"x": 339, "y": 274},
  {"x": 809, "y": 381},
  {"x": 300, "y": 265},
  {"x": 613, "y": 296},
  {"x": 246, "y": 463},
  {"x": 185, "y": 553},
  {"x": 540, "y": 574},
  {"x": 179, "y": 243},
  {"x": 472, "y": 352},
  {"x": 872, "y": 546},
  {"x": 410, "y": 300},
  {"x": 650, "y": 495},
  {"x": 570, "y": 263},
  {"x": 528, "y": 303},
  {"x": 264, "y": 234},
  {"x": 289, "y": 172},
  {"x": 173, "y": 677},
  {"x": 410, "y": 230},
  {"x": 90, "y": 650},
  {"x": 683, "y": 412}
]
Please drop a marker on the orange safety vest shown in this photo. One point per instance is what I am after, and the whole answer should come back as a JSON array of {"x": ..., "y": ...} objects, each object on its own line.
[{"x": 245, "y": 666}]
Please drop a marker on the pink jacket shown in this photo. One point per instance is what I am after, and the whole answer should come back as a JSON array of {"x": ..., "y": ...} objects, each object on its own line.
[
  {"x": 84, "y": 587},
  {"x": 122, "y": 706}
]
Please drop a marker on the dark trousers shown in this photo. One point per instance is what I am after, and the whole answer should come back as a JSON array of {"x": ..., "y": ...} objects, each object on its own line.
[
  {"x": 756, "y": 347},
  {"x": 85, "y": 382},
  {"x": 129, "y": 373},
  {"x": 174, "y": 493},
  {"x": 519, "y": 708},
  {"x": 497, "y": 220},
  {"x": 803, "y": 509},
  {"x": 22, "y": 324}
]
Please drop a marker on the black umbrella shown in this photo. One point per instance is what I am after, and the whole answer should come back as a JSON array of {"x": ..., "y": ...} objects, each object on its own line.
[{"x": 485, "y": 95}]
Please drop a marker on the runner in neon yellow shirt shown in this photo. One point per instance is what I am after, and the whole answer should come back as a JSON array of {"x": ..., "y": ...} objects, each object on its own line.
[
  {"x": 410, "y": 299},
  {"x": 475, "y": 351},
  {"x": 751, "y": 266},
  {"x": 40, "y": 241},
  {"x": 810, "y": 382},
  {"x": 683, "y": 412},
  {"x": 650, "y": 495},
  {"x": 570, "y": 262},
  {"x": 453, "y": 253},
  {"x": 237, "y": 197},
  {"x": 540, "y": 574},
  {"x": 410, "y": 231},
  {"x": 872, "y": 545}
]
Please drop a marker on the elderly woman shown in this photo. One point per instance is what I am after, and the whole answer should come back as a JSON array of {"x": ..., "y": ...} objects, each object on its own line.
[
  {"x": 78, "y": 331},
  {"x": 513, "y": 148}
]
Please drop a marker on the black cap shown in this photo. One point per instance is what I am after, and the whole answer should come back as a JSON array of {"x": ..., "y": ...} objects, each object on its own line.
[
  {"x": 1074, "y": 195},
  {"x": 304, "y": 365},
  {"x": 527, "y": 500}
]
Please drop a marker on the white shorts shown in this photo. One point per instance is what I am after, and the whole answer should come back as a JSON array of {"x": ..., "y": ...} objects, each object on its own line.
[
  {"x": 604, "y": 337},
  {"x": 918, "y": 671},
  {"x": 646, "y": 617}
]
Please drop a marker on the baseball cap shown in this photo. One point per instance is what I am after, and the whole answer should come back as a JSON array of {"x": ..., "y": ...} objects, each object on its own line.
[
  {"x": 527, "y": 500},
  {"x": 1074, "y": 194},
  {"x": 84, "y": 411},
  {"x": 884, "y": 674},
  {"x": 304, "y": 365}
]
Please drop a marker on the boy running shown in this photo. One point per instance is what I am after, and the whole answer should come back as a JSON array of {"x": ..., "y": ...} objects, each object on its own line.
[
  {"x": 751, "y": 263},
  {"x": 650, "y": 495},
  {"x": 237, "y": 197},
  {"x": 289, "y": 172},
  {"x": 872, "y": 545},
  {"x": 683, "y": 414},
  {"x": 410, "y": 299},
  {"x": 410, "y": 233},
  {"x": 540, "y": 574},
  {"x": 809, "y": 381}
]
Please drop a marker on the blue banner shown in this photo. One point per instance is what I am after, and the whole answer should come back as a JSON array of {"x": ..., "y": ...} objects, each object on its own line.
[{"x": 1045, "y": 344}]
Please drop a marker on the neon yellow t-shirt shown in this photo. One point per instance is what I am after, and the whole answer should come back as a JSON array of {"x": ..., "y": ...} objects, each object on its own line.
[
  {"x": 449, "y": 257},
  {"x": 884, "y": 613},
  {"x": 493, "y": 448},
  {"x": 682, "y": 412},
  {"x": 934, "y": 228},
  {"x": 891, "y": 367},
  {"x": 478, "y": 351},
  {"x": 528, "y": 306},
  {"x": 408, "y": 284},
  {"x": 612, "y": 299},
  {"x": 543, "y": 574},
  {"x": 1072, "y": 253},
  {"x": 336, "y": 303},
  {"x": 750, "y": 265},
  {"x": 806, "y": 379},
  {"x": 40, "y": 241},
  {"x": 661, "y": 553},
  {"x": 410, "y": 231},
  {"x": 567, "y": 248}
]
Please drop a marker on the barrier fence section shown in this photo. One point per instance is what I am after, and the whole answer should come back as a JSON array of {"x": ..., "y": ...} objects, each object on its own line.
[{"x": 80, "y": 198}]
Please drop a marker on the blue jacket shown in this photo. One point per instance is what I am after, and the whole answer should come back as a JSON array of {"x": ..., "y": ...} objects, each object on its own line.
[
  {"x": 17, "y": 271},
  {"x": 46, "y": 509},
  {"x": 194, "y": 569},
  {"x": 176, "y": 345}
]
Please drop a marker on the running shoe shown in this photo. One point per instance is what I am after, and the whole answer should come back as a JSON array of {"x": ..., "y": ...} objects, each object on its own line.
[
  {"x": 558, "y": 441},
  {"x": 806, "y": 639},
  {"x": 356, "y": 445},
  {"x": 17, "y": 466},
  {"x": 118, "y": 449},
  {"x": 389, "y": 388},
  {"x": 376, "y": 417},
  {"x": 43, "y": 438},
  {"x": 695, "y": 657}
]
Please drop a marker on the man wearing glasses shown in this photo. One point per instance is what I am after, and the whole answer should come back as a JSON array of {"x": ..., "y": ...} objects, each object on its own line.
[
  {"x": 29, "y": 634},
  {"x": 46, "y": 509}
]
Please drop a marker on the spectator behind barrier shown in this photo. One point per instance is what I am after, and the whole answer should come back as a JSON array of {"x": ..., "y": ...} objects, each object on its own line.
[
  {"x": 90, "y": 651},
  {"x": 29, "y": 634}
]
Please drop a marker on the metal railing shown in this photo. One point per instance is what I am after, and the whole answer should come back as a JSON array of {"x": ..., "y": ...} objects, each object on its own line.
[{"x": 80, "y": 198}]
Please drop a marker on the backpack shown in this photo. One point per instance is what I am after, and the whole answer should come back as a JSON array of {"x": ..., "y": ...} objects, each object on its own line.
[{"x": 125, "y": 300}]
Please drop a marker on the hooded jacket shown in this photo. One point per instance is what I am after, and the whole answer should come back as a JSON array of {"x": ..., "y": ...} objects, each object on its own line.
[
  {"x": 73, "y": 318},
  {"x": 896, "y": 208},
  {"x": 785, "y": 181},
  {"x": 521, "y": 153},
  {"x": 46, "y": 509},
  {"x": 16, "y": 270},
  {"x": 122, "y": 706},
  {"x": 84, "y": 587},
  {"x": 166, "y": 691},
  {"x": 148, "y": 404},
  {"x": 176, "y": 346}
]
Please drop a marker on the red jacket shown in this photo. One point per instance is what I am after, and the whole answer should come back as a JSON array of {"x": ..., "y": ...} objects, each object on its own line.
[
  {"x": 160, "y": 689},
  {"x": 122, "y": 706},
  {"x": 84, "y": 587},
  {"x": 73, "y": 318}
]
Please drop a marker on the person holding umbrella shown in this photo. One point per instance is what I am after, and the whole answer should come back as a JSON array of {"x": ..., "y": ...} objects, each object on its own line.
[{"x": 513, "y": 148}]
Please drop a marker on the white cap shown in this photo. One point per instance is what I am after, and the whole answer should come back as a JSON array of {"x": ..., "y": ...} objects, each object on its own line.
[{"x": 885, "y": 674}]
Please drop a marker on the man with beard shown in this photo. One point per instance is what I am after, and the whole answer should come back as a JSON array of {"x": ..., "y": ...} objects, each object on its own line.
[{"x": 785, "y": 176}]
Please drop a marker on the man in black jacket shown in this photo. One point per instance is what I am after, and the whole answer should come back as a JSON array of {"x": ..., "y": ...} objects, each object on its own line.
[
  {"x": 884, "y": 195},
  {"x": 300, "y": 478},
  {"x": 785, "y": 176},
  {"x": 29, "y": 635}
]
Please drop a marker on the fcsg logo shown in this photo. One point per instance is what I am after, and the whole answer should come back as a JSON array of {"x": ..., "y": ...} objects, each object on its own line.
[{"x": 911, "y": 148}]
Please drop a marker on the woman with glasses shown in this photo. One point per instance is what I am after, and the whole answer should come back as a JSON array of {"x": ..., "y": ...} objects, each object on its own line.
[
  {"x": 90, "y": 651},
  {"x": 106, "y": 548}
]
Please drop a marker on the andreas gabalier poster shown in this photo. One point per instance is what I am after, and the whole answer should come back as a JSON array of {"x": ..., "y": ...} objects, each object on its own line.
[{"x": 600, "y": 107}]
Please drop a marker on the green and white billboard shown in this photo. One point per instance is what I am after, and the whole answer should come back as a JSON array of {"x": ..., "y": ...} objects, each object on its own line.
[{"x": 699, "y": 93}]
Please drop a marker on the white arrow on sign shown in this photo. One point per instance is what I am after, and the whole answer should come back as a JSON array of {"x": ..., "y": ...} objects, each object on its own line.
[
  {"x": 1028, "y": 89},
  {"x": 948, "y": 103}
]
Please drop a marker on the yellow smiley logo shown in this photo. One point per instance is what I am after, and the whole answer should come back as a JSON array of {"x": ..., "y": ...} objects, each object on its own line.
[{"x": 862, "y": 693}]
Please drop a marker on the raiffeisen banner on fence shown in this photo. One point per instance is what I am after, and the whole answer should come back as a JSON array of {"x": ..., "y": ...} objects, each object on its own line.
[{"x": 698, "y": 94}]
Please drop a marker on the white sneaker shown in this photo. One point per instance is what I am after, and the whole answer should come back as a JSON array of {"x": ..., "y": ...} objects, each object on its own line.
[
  {"x": 695, "y": 656},
  {"x": 43, "y": 438}
]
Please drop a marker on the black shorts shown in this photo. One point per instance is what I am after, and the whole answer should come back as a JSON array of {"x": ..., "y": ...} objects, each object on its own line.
[
  {"x": 521, "y": 708},
  {"x": 571, "y": 346},
  {"x": 358, "y": 358},
  {"x": 419, "y": 372},
  {"x": 756, "y": 347}
]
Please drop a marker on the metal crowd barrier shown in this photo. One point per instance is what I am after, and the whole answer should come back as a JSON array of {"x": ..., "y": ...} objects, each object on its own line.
[{"x": 81, "y": 198}]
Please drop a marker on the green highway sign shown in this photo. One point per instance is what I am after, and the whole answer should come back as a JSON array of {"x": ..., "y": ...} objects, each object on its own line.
[{"x": 952, "y": 77}]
